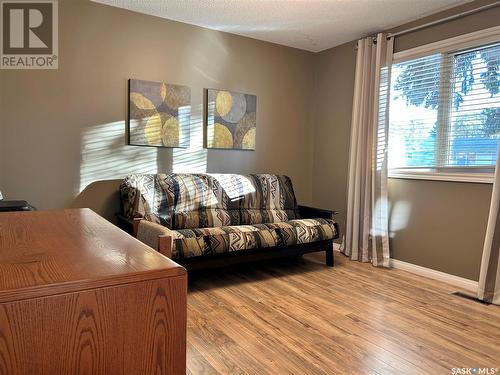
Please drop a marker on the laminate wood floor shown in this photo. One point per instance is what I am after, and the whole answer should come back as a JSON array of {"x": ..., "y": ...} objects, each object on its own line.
[{"x": 301, "y": 317}]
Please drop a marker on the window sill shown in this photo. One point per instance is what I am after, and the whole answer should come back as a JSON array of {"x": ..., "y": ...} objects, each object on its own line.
[{"x": 481, "y": 178}]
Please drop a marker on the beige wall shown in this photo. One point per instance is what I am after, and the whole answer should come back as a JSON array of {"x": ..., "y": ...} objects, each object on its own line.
[
  {"x": 445, "y": 221},
  {"x": 334, "y": 90},
  {"x": 58, "y": 127},
  {"x": 439, "y": 225}
]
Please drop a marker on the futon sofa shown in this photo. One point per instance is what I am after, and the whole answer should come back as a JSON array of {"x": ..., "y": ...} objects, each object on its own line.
[{"x": 206, "y": 220}]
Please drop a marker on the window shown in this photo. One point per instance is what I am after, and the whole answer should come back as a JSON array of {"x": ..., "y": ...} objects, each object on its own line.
[{"x": 444, "y": 112}]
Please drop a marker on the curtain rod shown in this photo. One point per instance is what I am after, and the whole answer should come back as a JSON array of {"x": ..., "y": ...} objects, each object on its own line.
[{"x": 446, "y": 19}]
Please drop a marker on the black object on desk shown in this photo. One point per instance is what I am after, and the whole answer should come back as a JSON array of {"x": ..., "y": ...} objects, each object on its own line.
[{"x": 6, "y": 206}]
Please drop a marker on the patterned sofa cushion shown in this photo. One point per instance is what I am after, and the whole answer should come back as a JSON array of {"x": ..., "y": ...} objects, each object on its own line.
[
  {"x": 180, "y": 201},
  {"x": 189, "y": 243},
  {"x": 137, "y": 193},
  {"x": 260, "y": 198},
  {"x": 177, "y": 200}
]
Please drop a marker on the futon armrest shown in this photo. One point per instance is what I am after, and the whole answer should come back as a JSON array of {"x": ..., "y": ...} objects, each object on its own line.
[
  {"x": 155, "y": 235},
  {"x": 306, "y": 212}
]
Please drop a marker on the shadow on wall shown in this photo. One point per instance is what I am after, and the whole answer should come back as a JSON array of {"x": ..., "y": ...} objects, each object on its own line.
[{"x": 106, "y": 159}]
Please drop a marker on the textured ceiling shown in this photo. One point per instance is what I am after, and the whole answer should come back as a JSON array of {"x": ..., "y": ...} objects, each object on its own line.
[{"x": 312, "y": 25}]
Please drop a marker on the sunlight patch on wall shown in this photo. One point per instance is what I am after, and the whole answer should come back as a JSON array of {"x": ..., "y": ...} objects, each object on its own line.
[
  {"x": 210, "y": 56},
  {"x": 379, "y": 225},
  {"x": 194, "y": 158},
  {"x": 105, "y": 156},
  {"x": 399, "y": 217}
]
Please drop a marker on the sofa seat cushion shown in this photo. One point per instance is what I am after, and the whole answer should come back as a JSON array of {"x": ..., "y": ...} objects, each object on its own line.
[{"x": 189, "y": 243}]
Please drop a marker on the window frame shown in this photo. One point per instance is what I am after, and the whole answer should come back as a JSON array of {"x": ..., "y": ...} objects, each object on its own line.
[{"x": 450, "y": 47}]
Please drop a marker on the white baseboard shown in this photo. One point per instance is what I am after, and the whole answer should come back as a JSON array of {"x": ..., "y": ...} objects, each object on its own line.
[{"x": 460, "y": 282}]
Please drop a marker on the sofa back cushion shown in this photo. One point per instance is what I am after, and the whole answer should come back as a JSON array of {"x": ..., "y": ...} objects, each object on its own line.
[
  {"x": 181, "y": 201},
  {"x": 263, "y": 198}
]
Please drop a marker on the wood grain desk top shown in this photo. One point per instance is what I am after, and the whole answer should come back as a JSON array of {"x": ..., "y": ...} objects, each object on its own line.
[{"x": 52, "y": 252}]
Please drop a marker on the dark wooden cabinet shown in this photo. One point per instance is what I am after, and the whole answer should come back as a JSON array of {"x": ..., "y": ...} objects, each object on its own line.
[{"x": 80, "y": 296}]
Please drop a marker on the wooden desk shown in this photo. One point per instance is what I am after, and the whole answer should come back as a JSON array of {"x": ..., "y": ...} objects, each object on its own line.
[{"x": 80, "y": 296}]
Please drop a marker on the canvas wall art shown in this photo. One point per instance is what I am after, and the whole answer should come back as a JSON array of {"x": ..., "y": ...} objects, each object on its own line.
[
  {"x": 231, "y": 120},
  {"x": 159, "y": 114}
]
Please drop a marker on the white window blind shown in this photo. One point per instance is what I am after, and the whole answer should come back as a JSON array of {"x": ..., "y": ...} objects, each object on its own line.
[{"x": 444, "y": 111}]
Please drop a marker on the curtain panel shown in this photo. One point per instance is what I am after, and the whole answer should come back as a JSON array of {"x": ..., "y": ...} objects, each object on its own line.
[
  {"x": 489, "y": 277},
  {"x": 366, "y": 236}
]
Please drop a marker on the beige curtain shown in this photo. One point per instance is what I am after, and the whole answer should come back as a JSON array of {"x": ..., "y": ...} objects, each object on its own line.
[
  {"x": 366, "y": 235},
  {"x": 489, "y": 278}
]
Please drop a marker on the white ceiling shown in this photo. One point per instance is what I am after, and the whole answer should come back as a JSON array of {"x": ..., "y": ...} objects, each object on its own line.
[{"x": 312, "y": 25}]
